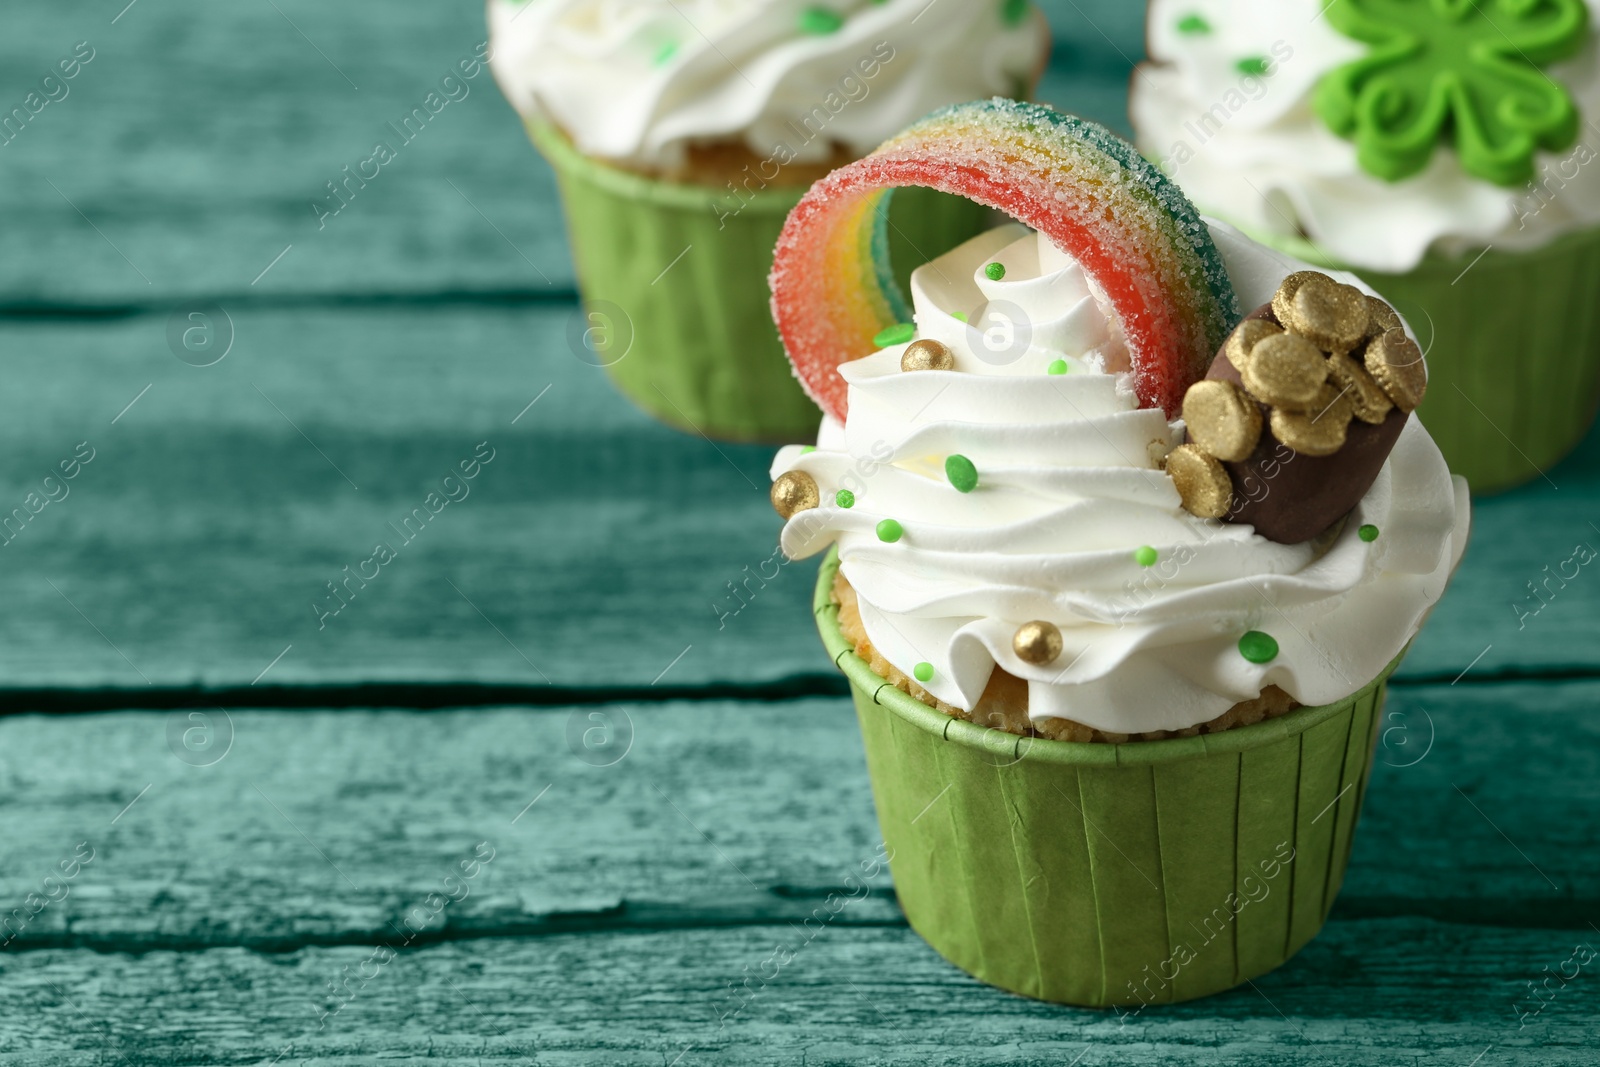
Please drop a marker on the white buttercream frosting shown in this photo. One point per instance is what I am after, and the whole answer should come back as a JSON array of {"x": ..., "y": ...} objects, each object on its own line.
[
  {"x": 1251, "y": 148},
  {"x": 1069, "y": 487},
  {"x": 636, "y": 81}
]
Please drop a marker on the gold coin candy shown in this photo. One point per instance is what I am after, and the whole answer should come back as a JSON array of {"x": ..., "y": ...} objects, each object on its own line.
[
  {"x": 794, "y": 492},
  {"x": 1320, "y": 431},
  {"x": 1222, "y": 419},
  {"x": 1332, "y": 315},
  {"x": 1302, "y": 370},
  {"x": 1285, "y": 370},
  {"x": 1201, "y": 480},
  {"x": 1243, "y": 339},
  {"x": 927, "y": 354},
  {"x": 1369, "y": 402},
  {"x": 1395, "y": 363},
  {"x": 1283, "y": 299},
  {"x": 1381, "y": 317}
]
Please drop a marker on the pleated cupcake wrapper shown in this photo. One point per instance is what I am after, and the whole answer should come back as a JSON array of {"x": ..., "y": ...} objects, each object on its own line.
[
  {"x": 688, "y": 266},
  {"x": 1513, "y": 349},
  {"x": 1112, "y": 875}
]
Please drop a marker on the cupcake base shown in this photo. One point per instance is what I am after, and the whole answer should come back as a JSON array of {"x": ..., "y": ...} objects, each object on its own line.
[
  {"x": 1111, "y": 875},
  {"x": 1004, "y": 703},
  {"x": 1512, "y": 341},
  {"x": 674, "y": 282}
]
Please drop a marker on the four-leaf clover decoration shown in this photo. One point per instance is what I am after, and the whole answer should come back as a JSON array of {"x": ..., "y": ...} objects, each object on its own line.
[{"x": 1466, "y": 71}]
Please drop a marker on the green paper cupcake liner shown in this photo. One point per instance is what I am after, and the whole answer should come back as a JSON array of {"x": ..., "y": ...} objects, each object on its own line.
[
  {"x": 1107, "y": 875},
  {"x": 678, "y": 274},
  {"x": 1513, "y": 349}
]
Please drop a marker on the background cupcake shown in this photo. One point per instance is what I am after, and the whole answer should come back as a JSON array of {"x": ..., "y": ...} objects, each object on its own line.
[
  {"x": 1023, "y": 537},
  {"x": 1333, "y": 131},
  {"x": 682, "y": 133}
]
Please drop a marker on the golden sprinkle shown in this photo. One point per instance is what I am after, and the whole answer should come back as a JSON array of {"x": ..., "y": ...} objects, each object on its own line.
[
  {"x": 1320, "y": 431},
  {"x": 794, "y": 492},
  {"x": 1370, "y": 403},
  {"x": 927, "y": 354},
  {"x": 1330, "y": 314},
  {"x": 1395, "y": 363},
  {"x": 1243, "y": 339},
  {"x": 1201, "y": 480},
  {"x": 1285, "y": 370},
  {"x": 1037, "y": 642},
  {"x": 1222, "y": 419}
]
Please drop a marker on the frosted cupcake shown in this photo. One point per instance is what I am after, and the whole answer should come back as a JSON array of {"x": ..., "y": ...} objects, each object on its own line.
[
  {"x": 1081, "y": 497},
  {"x": 1441, "y": 151},
  {"x": 683, "y": 132}
]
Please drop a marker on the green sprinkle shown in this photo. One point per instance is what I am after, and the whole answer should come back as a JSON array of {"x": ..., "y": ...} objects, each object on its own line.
[
  {"x": 923, "y": 671},
  {"x": 1256, "y": 65},
  {"x": 995, "y": 271},
  {"x": 1368, "y": 533},
  {"x": 1258, "y": 647},
  {"x": 898, "y": 334},
  {"x": 962, "y": 474},
  {"x": 845, "y": 498},
  {"x": 1145, "y": 556},
  {"x": 960, "y": 316},
  {"x": 1193, "y": 25},
  {"x": 820, "y": 21},
  {"x": 1013, "y": 11},
  {"x": 665, "y": 53},
  {"x": 1057, "y": 366},
  {"x": 890, "y": 531},
  {"x": 807, "y": 448}
]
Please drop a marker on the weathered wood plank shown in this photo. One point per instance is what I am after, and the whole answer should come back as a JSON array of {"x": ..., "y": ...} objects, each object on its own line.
[
  {"x": 200, "y": 171},
  {"x": 1364, "y": 993},
  {"x": 324, "y": 827},
  {"x": 200, "y": 535}
]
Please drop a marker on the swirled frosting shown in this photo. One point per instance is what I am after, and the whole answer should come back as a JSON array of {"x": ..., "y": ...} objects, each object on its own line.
[
  {"x": 636, "y": 81},
  {"x": 1069, "y": 488},
  {"x": 1250, "y": 148}
]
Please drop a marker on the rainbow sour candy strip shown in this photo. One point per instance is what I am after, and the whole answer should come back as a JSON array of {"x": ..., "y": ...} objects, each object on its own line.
[{"x": 1089, "y": 192}]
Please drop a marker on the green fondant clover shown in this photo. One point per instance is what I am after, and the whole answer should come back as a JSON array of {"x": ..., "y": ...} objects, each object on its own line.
[{"x": 1467, "y": 71}]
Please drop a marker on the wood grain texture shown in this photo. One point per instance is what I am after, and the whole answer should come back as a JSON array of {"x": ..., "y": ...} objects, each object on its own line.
[
  {"x": 324, "y": 828},
  {"x": 620, "y": 906},
  {"x": 1365, "y": 993},
  {"x": 197, "y": 146},
  {"x": 208, "y": 523}
]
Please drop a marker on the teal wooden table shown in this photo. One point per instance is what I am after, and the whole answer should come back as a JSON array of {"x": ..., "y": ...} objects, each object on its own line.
[{"x": 545, "y": 791}]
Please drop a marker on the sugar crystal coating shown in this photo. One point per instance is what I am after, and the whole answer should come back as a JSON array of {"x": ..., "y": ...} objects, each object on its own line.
[{"x": 1089, "y": 192}]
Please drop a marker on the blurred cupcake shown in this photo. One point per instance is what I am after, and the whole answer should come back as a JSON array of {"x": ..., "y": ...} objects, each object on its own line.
[
  {"x": 683, "y": 132},
  {"x": 1441, "y": 151},
  {"x": 1117, "y": 574}
]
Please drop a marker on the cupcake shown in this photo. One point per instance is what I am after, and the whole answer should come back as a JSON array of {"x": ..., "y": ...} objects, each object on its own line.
[
  {"x": 1126, "y": 528},
  {"x": 683, "y": 131},
  {"x": 1440, "y": 151}
]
